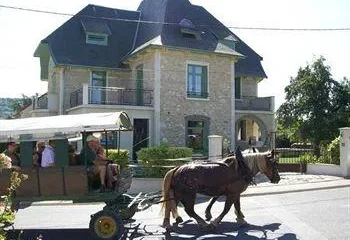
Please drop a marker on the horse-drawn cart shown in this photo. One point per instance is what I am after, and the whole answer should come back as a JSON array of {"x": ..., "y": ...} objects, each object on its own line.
[
  {"x": 110, "y": 221},
  {"x": 56, "y": 182}
]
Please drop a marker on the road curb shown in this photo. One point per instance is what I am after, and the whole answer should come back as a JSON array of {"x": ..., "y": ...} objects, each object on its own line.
[{"x": 299, "y": 189}]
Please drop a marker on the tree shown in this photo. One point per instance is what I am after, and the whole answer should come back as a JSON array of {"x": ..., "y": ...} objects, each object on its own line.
[
  {"x": 316, "y": 105},
  {"x": 20, "y": 103}
]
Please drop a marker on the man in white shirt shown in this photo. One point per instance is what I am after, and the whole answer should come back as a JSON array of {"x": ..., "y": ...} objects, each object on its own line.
[{"x": 48, "y": 156}]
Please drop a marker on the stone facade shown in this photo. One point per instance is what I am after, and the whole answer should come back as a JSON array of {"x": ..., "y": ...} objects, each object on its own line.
[
  {"x": 249, "y": 87},
  {"x": 175, "y": 106}
]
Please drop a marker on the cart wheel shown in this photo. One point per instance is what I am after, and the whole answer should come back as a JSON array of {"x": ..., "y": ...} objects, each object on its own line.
[{"x": 106, "y": 225}]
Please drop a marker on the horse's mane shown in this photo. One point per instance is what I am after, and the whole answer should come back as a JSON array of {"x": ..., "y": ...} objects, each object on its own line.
[
  {"x": 253, "y": 160},
  {"x": 247, "y": 168}
]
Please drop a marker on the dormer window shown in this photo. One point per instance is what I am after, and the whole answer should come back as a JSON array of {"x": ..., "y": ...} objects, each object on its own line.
[
  {"x": 230, "y": 42},
  {"x": 94, "y": 38},
  {"x": 96, "y": 31},
  {"x": 188, "y": 29}
]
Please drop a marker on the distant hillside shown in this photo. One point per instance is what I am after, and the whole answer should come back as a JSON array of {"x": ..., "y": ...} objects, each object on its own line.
[{"x": 6, "y": 109}]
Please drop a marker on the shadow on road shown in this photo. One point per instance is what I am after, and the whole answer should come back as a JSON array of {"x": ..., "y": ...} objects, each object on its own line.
[
  {"x": 229, "y": 230},
  {"x": 186, "y": 230},
  {"x": 50, "y": 234}
]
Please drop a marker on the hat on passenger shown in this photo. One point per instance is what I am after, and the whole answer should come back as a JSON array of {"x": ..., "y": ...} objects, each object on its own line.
[{"x": 91, "y": 138}]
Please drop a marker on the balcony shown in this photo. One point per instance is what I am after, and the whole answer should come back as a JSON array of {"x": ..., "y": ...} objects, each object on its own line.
[
  {"x": 255, "y": 103},
  {"x": 110, "y": 96},
  {"x": 40, "y": 102}
]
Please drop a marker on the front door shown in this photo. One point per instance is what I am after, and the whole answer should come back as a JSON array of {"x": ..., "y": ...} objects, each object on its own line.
[
  {"x": 197, "y": 136},
  {"x": 140, "y": 135},
  {"x": 98, "y": 85}
]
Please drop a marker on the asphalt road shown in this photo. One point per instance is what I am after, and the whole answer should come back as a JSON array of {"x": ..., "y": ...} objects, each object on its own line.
[{"x": 321, "y": 214}]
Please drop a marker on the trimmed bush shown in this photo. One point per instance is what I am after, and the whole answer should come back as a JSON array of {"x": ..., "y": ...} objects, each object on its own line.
[
  {"x": 333, "y": 151},
  {"x": 331, "y": 154},
  {"x": 120, "y": 157},
  {"x": 156, "y": 161}
]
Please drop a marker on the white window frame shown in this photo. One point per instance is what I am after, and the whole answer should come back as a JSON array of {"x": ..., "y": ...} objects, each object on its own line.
[
  {"x": 107, "y": 83},
  {"x": 198, "y": 63},
  {"x": 104, "y": 42}
]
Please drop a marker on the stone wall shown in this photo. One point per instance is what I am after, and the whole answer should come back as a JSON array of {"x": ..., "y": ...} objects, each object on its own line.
[
  {"x": 175, "y": 105},
  {"x": 249, "y": 87}
]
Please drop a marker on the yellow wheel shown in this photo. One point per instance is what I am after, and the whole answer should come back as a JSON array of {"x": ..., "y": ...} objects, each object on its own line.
[{"x": 106, "y": 225}]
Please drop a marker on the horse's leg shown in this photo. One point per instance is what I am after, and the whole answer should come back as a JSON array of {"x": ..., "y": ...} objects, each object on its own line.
[
  {"x": 228, "y": 204},
  {"x": 188, "y": 201},
  {"x": 176, "y": 216},
  {"x": 240, "y": 217},
  {"x": 166, "y": 220},
  {"x": 208, "y": 215}
]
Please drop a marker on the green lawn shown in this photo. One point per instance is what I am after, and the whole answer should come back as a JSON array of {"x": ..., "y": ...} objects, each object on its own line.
[{"x": 289, "y": 160}]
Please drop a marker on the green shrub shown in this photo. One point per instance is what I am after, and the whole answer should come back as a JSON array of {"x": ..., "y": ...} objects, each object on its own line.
[
  {"x": 333, "y": 151},
  {"x": 308, "y": 158},
  {"x": 156, "y": 161},
  {"x": 121, "y": 157}
]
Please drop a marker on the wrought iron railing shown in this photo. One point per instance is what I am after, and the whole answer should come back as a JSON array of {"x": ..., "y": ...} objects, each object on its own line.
[
  {"x": 255, "y": 103},
  {"x": 76, "y": 98},
  {"x": 40, "y": 102},
  {"x": 112, "y": 96}
]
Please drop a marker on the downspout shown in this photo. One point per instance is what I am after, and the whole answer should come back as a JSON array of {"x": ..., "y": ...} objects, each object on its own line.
[
  {"x": 157, "y": 98},
  {"x": 233, "y": 107},
  {"x": 61, "y": 97}
]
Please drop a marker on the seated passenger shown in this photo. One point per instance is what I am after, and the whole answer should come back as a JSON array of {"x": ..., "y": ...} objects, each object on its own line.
[
  {"x": 38, "y": 153},
  {"x": 97, "y": 162},
  {"x": 49, "y": 156},
  {"x": 11, "y": 152},
  {"x": 72, "y": 157}
]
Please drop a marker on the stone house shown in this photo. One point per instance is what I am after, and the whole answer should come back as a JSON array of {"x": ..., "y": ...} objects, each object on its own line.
[{"x": 177, "y": 71}]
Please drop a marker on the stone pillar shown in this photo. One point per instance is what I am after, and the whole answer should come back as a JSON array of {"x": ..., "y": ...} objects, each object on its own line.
[
  {"x": 61, "y": 96},
  {"x": 345, "y": 151},
  {"x": 156, "y": 93},
  {"x": 85, "y": 94},
  {"x": 215, "y": 147}
]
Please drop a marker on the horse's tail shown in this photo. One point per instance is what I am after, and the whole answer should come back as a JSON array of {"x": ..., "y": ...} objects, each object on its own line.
[{"x": 167, "y": 193}]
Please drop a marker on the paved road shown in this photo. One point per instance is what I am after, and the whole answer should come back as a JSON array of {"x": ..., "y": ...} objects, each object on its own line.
[{"x": 321, "y": 214}]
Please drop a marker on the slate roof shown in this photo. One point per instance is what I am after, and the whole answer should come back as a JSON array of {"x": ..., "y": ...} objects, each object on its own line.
[{"x": 68, "y": 43}]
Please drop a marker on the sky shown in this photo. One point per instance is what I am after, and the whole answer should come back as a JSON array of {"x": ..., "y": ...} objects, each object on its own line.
[{"x": 283, "y": 52}]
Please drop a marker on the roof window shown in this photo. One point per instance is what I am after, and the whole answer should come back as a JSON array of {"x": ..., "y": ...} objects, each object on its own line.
[
  {"x": 188, "y": 29},
  {"x": 97, "y": 32}
]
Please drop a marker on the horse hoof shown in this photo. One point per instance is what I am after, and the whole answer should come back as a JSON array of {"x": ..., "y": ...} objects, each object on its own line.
[
  {"x": 166, "y": 225},
  {"x": 178, "y": 220},
  {"x": 214, "y": 224},
  {"x": 241, "y": 222},
  {"x": 208, "y": 216},
  {"x": 168, "y": 229}
]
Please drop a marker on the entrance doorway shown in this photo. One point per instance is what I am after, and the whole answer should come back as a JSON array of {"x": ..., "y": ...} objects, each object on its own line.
[{"x": 140, "y": 138}]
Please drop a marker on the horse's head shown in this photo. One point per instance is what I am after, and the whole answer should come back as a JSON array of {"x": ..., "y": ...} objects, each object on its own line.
[{"x": 270, "y": 167}]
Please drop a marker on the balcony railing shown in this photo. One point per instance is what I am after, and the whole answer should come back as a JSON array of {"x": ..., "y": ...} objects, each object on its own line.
[
  {"x": 111, "y": 96},
  {"x": 40, "y": 102},
  {"x": 255, "y": 103}
]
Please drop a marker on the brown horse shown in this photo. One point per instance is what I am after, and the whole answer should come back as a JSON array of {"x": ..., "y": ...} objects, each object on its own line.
[{"x": 213, "y": 179}]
